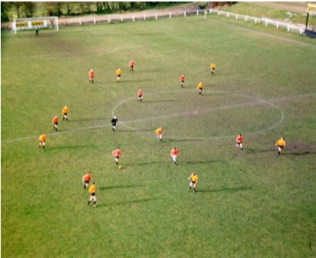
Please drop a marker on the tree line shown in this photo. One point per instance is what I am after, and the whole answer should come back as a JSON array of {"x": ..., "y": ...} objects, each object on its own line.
[
  {"x": 25, "y": 9},
  {"x": 12, "y": 10}
]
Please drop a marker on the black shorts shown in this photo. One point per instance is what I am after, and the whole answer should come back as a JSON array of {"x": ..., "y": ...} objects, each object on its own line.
[
  {"x": 87, "y": 182},
  {"x": 238, "y": 143},
  {"x": 56, "y": 123},
  {"x": 140, "y": 96},
  {"x": 182, "y": 81},
  {"x": 193, "y": 182},
  {"x": 280, "y": 146},
  {"x": 200, "y": 89},
  {"x": 118, "y": 75},
  {"x": 65, "y": 114},
  {"x": 117, "y": 157},
  {"x": 132, "y": 66},
  {"x": 93, "y": 194}
]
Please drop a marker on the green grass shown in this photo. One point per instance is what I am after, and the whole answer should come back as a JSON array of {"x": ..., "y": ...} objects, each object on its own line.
[
  {"x": 248, "y": 204},
  {"x": 253, "y": 10}
]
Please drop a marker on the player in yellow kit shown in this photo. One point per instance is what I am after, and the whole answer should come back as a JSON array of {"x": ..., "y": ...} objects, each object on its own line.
[
  {"x": 280, "y": 143},
  {"x": 194, "y": 179},
  {"x": 42, "y": 140},
  {"x": 92, "y": 190},
  {"x": 159, "y": 133},
  {"x": 213, "y": 66},
  {"x": 65, "y": 113},
  {"x": 200, "y": 87},
  {"x": 118, "y": 73}
]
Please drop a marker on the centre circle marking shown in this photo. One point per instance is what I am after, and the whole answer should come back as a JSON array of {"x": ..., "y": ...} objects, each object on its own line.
[{"x": 258, "y": 101}]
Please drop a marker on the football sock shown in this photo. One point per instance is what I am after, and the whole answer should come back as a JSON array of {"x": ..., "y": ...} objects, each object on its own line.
[
  {"x": 279, "y": 153},
  {"x": 116, "y": 163},
  {"x": 95, "y": 203},
  {"x": 88, "y": 202}
]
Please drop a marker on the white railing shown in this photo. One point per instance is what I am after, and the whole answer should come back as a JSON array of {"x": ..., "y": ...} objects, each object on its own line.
[
  {"x": 137, "y": 17},
  {"x": 266, "y": 21}
]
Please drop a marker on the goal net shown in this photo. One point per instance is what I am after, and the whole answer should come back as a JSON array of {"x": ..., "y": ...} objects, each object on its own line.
[{"x": 32, "y": 23}]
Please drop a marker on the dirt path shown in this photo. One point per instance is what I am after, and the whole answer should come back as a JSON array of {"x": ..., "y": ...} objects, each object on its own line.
[{"x": 298, "y": 7}]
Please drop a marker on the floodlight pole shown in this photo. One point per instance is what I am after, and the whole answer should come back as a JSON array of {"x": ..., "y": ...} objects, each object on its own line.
[{"x": 57, "y": 24}]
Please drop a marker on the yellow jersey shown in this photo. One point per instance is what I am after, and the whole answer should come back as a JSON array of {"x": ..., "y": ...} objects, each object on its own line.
[
  {"x": 200, "y": 85},
  {"x": 281, "y": 142},
  {"x": 194, "y": 178},
  {"x": 159, "y": 130},
  {"x": 92, "y": 189}
]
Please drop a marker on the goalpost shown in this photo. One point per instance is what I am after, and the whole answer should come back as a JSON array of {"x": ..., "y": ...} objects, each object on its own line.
[{"x": 32, "y": 23}]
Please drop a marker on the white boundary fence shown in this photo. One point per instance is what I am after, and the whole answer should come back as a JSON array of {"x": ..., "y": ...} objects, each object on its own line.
[
  {"x": 266, "y": 21},
  {"x": 133, "y": 18}
]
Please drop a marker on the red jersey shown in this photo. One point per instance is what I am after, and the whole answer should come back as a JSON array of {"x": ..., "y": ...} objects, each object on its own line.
[
  {"x": 131, "y": 63},
  {"x": 239, "y": 139},
  {"x": 87, "y": 177},
  {"x": 174, "y": 152},
  {"x": 117, "y": 153},
  {"x": 140, "y": 92},
  {"x": 55, "y": 120},
  {"x": 182, "y": 78}
]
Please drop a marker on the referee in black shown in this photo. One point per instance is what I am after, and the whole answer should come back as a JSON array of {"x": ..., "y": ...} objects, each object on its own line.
[{"x": 114, "y": 121}]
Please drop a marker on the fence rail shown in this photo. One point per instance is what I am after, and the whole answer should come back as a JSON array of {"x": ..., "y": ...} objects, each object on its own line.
[{"x": 139, "y": 17}]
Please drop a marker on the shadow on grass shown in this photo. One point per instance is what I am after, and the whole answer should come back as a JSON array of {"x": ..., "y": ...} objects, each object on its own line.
[
  {"x": 298, "y": 153},
  {"x": 160, "y": 101},
  {"x": 72, "y": 147},
  {"x": 148, "y": 163},
  {"x": 102, "y": 188},
  {"x": 126, "y": 202},
  {"x": 228, "y": 190},
  {"x": 186, "y": 140},
  {"x": 260, "y": 151},
  {"x": 200, "y": 162},
  {"x": 136, "y": 130}
]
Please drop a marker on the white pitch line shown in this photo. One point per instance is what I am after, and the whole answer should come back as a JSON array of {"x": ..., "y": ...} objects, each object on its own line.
[{"x": 150, "y": 118}]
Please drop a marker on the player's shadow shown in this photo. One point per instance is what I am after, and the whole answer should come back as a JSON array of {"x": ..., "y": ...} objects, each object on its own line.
[
  {"x": 71, "y": 147},
  {"x": 160, "y": 101},
  {"x": 185, "y": 140},
  {"x": 225, "y": 190},
  {"x": 298, "y": 153},
  {"x": 200, "y": 162},
  {"x": 259, "y": 151},
  {"x": 131, "y": 202},
  {"x": 147, "y": 163},
  {"x": 103, "y": 188}
]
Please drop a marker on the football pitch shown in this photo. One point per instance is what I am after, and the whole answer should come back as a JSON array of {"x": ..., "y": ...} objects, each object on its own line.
[{"x": 250, "y": 203}]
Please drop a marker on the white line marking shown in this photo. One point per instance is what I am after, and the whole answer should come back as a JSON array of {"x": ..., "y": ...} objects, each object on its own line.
[{"x": 162, "y": 92}]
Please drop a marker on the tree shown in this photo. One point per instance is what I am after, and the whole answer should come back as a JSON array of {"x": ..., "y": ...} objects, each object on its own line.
[
  {"x": 5, "y": 11},
  {"x": 29, "y": 8},
  {"x": 17, "y": 6},
  {"x": 69, "y": 7}
]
